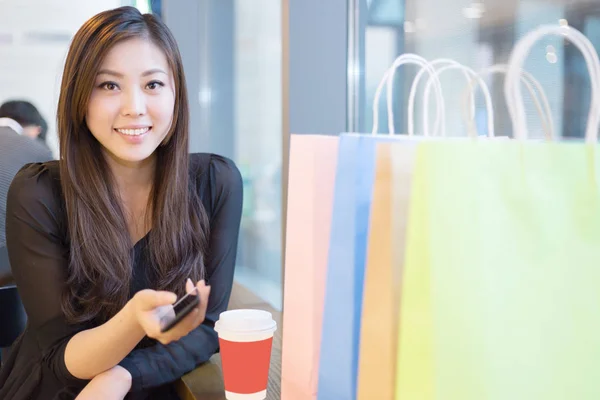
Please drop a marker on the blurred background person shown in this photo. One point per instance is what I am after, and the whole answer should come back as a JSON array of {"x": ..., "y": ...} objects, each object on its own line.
[
  {"x": 29, "y": 121},
  {"x": 22, "y": 130}
]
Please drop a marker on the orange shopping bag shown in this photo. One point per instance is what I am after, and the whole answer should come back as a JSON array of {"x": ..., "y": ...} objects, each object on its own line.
[
  {"x": 385, "y": 259},
  {"x": 313, "y": 160}
]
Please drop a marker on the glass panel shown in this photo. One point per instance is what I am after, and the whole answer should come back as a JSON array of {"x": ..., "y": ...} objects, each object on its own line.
[
  {"x": 231, "y": 51},
  {"x": 258, "y": 135},
  {"x": 479, "y": 34}
]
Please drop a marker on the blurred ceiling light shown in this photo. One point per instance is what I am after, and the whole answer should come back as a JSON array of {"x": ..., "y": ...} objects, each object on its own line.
[
  {"x": 474, "y": 11},
  {"x": 551, "y": 56},
  {"x": 353, "y": 69},
  {"x": 205, "y": 96}
]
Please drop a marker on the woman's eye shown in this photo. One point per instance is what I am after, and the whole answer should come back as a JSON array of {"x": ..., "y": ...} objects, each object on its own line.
[
  {"x": 155, "y": 85},
  {"x": 109, "y": 86}
]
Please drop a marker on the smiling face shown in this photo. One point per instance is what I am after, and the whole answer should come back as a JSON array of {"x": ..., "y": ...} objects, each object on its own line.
[{"x": 130, "y": 110}]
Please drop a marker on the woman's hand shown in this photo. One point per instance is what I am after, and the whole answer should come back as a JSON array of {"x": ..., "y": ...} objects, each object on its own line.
[
  {"x": 109, "y": 385},
  {"x": 151, "y": 305}
]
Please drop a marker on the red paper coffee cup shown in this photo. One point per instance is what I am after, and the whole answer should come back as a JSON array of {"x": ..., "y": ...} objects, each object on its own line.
[{"x": 245, "y": 338}]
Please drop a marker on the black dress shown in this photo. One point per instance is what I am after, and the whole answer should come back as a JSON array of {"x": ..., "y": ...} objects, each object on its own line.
[{"x": 38, "y": 250}]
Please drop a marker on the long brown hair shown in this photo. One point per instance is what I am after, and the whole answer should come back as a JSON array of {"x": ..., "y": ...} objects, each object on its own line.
[{"x": 100, "y": 259}]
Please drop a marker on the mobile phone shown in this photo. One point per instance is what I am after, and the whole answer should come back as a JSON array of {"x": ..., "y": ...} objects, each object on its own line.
[{"x": 180, "y": 310}]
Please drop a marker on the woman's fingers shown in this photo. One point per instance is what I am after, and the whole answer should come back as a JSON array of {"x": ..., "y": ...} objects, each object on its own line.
[
  {"x": 193, "y": 319},
  {"x": 150, "y": 299},
  {"x": 189, "y": 286},
  {"x": 204, "y": 292}
]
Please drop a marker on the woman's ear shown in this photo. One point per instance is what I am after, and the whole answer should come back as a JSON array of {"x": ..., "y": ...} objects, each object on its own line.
[{"x": 32, "y": 131}]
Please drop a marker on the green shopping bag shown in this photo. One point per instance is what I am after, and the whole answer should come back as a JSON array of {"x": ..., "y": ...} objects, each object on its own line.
[
  {"x": 502, "y": 279},
  {"x": 500, "y": 297}
]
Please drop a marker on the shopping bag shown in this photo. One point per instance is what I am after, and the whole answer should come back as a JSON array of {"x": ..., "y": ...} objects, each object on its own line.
[
  {"x": 500, "y": 295},
  {"x": 414, "y": 368},
  {"x": 511, "y": 241},
  {"x": 383, "y": 272},
  {"x": 345, "y": 269},
  {"x": 310, "y": 196},
  {"x": 338, "y": 365}
]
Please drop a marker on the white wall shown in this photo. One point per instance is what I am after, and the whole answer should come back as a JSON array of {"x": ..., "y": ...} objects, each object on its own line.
[{"x": 34, "y": 39}]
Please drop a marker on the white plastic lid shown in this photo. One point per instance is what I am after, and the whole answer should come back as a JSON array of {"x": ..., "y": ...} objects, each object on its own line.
[{"x": 245, "y": 321}]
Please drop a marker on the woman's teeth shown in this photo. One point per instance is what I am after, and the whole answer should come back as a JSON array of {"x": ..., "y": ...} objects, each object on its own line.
[{"x": 133, "y": 132}]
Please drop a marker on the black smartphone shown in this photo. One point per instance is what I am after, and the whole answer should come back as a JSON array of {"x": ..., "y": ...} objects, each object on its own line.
[{"x": 180, "y": 310}]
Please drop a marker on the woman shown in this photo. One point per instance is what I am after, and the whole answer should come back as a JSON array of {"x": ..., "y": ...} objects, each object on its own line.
[{"x": 101, "y": 241}]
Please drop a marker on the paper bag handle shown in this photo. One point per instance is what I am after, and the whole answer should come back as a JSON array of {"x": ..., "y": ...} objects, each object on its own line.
[
  {"x": 388, "y": 78},
  {"x": 413, "y": 92},
  {"x": 534, "y": 87},
  {"x": 482, "y": 84},
  {"x": 512, "y": 89},
  {"x": 440, "y": 109}
]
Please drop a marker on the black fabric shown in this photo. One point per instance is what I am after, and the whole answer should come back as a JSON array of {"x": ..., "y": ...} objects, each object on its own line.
[
  {"x": 12, "y": 316},
  {"x": 36, "y": 239}
]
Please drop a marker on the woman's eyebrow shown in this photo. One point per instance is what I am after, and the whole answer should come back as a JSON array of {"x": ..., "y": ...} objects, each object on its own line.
[
  {"x": 119, "y": 75},
  {"x": 154, "y": 71},
  {"x": 110, "y": 72}
]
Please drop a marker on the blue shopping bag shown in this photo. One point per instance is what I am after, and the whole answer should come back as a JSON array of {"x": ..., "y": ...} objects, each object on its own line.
[{"x": 355, "y": 176}]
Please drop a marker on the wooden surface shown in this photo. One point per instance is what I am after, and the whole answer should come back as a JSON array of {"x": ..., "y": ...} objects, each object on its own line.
[{"x": 206, "y": 381}]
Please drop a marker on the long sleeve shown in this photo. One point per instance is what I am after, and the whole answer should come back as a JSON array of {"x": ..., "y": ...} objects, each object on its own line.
[
  {"x": 38, "y": 257},
  {"x": 222, "y": 193}
]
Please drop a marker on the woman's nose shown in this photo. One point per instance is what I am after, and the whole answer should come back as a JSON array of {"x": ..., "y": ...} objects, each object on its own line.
[{"x": 134, "y": 103}]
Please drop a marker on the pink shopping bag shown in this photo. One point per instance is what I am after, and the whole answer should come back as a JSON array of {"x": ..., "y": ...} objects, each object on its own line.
[{"x": 313, "y": 160}]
